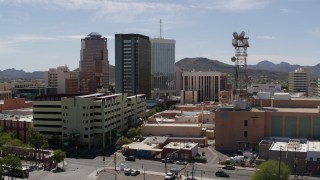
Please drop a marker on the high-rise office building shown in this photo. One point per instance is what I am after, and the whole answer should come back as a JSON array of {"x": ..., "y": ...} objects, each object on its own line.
[
  {"x": 162, "y": 67},
  {"x": 132, "y": 64},
  {"x": 94, "y": 64},
  {"x": 63, "y": 79},
  {"x": 299, "y": 81},
  {"x": 200, "y": 87}
]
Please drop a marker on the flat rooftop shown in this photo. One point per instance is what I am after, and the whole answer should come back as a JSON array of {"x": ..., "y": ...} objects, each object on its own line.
[
  {"x": 174, "y": 124},
  {"x": 298, "y": 110},
  {"x": 27, "y": 118},
  {"x": 314, "y": 146},
  {"x": 181, "y": 145},
  {"x": 284, "y": 147},
  {"x": 156, "y": 140}
]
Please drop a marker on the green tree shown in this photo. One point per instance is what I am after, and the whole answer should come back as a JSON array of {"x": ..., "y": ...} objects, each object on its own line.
[
  {"x": 138, "y": 131},
  {"x": 122, "y": 141},
  {"x": 5, "y": 138},
  {"x": 12, "y": 161},
  {"x": 132, "y": 132},
  {"x": 269, "y": 170},
  {"x": 36, "y": 139},
  {"x": 58, "y": 156}
]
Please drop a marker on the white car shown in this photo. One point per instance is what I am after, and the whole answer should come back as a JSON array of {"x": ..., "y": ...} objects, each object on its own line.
[
  {"x": 134, "y": 172},
  {"x": 169, "y": 176},
  {"x": 127, "y": 171}
]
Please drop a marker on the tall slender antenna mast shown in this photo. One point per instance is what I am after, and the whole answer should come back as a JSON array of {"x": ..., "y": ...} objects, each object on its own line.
[{"x": 160, "y": 28}]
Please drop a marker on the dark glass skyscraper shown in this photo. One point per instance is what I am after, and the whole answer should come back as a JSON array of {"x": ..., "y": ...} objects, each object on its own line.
[
  {"x": 94, "y": 64},
  {"x": 132, "y": 64}
]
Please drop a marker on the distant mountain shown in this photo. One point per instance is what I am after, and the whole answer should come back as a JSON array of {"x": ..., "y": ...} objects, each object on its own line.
[
  {"x": 257, "y": 75},
  {"x": 204, "y": 64},
  {"x": 285, "y": 67},
  {"x": 267, "y": 65},
  {"x": 12, "y": 74}
]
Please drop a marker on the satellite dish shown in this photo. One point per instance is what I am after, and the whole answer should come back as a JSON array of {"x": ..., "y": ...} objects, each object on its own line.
[
  {"x": 233, "y": 59},
  {"x": 245, "y": 41},
  {"x": 234, "y": 42},
  {"x": 235, "y": 35},
  {"x": 242, "y": 34}
]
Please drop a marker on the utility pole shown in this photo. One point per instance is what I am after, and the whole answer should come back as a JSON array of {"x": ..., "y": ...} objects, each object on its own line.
[
  {"x": 280, "y": 162},
  {"x": 144, "y": 173},
  {"x": 115, "y": 163},
  {"x": 295, "y": 162}
]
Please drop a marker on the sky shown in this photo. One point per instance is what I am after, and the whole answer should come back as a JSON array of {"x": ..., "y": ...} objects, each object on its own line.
[{"x": 36, "y": 35}]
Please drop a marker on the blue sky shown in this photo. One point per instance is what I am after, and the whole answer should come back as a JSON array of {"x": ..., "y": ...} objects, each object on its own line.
[{"x": 43, "y": 34}]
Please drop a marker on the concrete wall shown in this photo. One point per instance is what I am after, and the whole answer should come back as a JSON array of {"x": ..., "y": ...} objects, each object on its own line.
[
  {"x": 18, "y": 103},
  {"x": 230, "y": 129},
  {"x": 180, "y": 131}
]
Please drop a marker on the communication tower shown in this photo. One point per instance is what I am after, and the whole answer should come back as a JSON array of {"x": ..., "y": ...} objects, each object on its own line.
[{"x": 240, "y": 44}]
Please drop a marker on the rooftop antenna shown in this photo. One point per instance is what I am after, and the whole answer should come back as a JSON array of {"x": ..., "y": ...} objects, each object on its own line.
[{"x": 160, "y": 28}]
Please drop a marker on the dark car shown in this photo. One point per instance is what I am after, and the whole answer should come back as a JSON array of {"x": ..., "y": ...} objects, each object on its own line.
[
  {"x": 229, "y": 167},
  {"x": 130, "y": 158},
  {"x": 222, "y": 174},
  {"x": 167, "y": 160}
]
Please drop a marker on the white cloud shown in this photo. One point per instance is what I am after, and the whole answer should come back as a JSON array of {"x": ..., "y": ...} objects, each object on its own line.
[
  {"x": 229, "y": 5},
  {"x": 264, "y": 37}
]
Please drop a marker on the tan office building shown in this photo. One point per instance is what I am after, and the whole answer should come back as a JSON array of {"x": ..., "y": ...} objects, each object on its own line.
[
  {"x": 243, "y": 130},
  {"x": 63, "y": 79}
]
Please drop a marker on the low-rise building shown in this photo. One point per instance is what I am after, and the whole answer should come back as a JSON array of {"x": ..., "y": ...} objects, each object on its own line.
[
  {"x": 180, "y": 150},
  {"x": 11, "y": 104},
  {"x": 242, "y": 129},
  {"x": 18, "y": 125}
]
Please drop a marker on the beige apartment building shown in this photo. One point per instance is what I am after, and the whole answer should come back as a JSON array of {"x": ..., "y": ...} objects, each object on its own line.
[
  {"x": 93, "y": 120},
  {"x": 63, "y": 79}
]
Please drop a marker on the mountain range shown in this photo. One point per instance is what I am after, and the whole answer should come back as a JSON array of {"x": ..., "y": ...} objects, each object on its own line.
[{"x": 264, "y": 71}]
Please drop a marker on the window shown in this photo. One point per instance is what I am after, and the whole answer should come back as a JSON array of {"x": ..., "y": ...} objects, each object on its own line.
[
  {"x": 245, "y": 134},
  {"x": 311, "y": 158},
  {"x": 245, "y": 122},
  {"x": 65, "y": 135},
  {"x": 86, "y": 136}
]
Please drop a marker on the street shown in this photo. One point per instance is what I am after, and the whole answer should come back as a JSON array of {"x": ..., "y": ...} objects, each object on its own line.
[{"x": 84, "y": 167}]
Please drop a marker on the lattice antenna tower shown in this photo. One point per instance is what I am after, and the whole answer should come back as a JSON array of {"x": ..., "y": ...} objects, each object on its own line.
[{"x": 240, "y": 44}]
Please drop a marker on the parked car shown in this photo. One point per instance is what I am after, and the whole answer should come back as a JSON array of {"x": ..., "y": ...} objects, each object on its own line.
[
  {"x": 167, "y": 160},
  {"x": 130, "y": 158},
  {"x": 182, "y": 162},
  {"x": 189, "y": 178},
  {"x": 169, "y": 176},
  {"x": 127, "y": 171},
  {"x": 174, "y": 171},
  {"x": 134, "y": 172},
  {"x": 222, "y": 174},
  {"x": 229, "y": 167}
]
